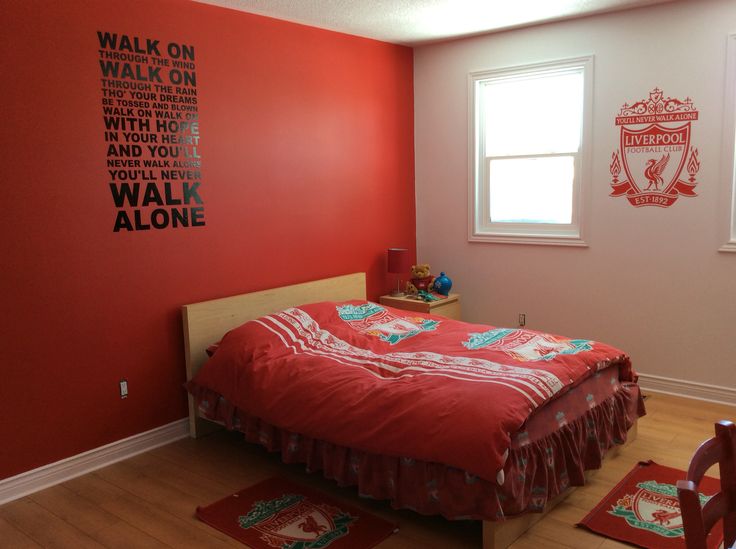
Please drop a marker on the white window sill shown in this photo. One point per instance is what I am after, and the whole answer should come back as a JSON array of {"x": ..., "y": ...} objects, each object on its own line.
[{"x": 537, "y": 240}]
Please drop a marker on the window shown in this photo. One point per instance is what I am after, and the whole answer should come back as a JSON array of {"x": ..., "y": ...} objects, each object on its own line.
[
  {"x": 729, "y": 139},
  {"x": 529, "y": 128}
]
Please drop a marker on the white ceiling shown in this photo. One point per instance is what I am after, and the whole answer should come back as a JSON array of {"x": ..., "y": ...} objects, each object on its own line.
[{"x": 414, "y": 22}]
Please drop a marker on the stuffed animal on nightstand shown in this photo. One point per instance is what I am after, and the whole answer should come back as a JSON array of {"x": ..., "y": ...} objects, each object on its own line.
[{"x": 421, "y": 279}]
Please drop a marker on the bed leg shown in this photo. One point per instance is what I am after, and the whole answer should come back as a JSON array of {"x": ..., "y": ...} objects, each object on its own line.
[
  {"x": 499, "y": 535},
  {"x": 489, "y": 538},
  {"x": 633, "y": 433},
  {"x": 199, "y": 427}
]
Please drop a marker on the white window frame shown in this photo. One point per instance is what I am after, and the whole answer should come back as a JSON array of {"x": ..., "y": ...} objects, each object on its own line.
[
  {"x": 480, "y": 227},
  {"x": 729, "y": 145}
]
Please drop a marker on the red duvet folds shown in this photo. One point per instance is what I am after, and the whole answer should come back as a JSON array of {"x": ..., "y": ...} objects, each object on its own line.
[{"x": 399, "y": 383}]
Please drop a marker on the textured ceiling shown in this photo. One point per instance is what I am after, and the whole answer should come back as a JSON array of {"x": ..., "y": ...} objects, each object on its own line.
[{"x": 414, "y": 22}]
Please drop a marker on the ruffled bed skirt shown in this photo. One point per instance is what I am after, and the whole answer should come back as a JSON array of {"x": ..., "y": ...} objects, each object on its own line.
[{"x": 534, "y": 473}]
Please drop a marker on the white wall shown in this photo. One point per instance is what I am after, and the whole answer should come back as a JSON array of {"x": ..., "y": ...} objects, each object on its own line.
[{"x": 652, "y": 280}]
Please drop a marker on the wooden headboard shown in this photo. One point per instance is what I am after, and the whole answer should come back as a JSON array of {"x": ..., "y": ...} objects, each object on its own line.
[{"x": 206, "y": 322}]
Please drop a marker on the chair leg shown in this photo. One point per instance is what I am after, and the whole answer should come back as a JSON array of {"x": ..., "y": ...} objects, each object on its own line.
[
  {"x": 692, "y": 518},
  {"x": 729, "y": 530}
]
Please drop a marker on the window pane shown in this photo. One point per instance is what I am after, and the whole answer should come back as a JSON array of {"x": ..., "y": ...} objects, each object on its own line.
[
  {"x": 533, "y": 114},
  {"x": 532, "y": 190}
]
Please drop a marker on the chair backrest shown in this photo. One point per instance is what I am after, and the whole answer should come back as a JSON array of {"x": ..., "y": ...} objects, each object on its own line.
[{"x": 699, "y": 520}]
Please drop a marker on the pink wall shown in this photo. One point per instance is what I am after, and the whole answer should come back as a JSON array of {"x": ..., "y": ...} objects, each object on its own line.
[
  {"x": 307, "y": 172},
  {"x": 652, "y": 280}
]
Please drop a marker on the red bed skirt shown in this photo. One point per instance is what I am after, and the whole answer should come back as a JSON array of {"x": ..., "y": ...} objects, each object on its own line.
[{"x": 541, "y": 462}]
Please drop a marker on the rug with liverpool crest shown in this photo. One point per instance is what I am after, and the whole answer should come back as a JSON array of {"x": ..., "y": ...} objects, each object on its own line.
[
  {"x": 643, "y": 509},
  {"x": 278, "y": 513}
]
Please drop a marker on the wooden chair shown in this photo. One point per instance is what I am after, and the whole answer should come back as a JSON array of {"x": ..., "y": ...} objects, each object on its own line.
[{"x": 697, "y": 520}]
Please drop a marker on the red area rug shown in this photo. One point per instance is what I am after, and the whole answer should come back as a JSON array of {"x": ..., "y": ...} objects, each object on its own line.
[
  {"x": 280, "y": 513},
  {"x": 643, "y": 509}
]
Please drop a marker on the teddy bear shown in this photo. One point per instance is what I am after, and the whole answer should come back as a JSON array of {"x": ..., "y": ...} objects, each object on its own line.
[{"x": 421, "y": 279}]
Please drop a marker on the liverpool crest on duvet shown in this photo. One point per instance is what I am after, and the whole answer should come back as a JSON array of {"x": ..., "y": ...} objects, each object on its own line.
[{"x": 654, "y": 151}]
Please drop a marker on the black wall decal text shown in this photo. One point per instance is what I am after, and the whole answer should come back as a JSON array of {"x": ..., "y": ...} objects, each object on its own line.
[{"x": 149, "y": 108}]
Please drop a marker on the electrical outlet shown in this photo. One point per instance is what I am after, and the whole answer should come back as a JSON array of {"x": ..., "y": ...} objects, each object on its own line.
[
  {"x": 522, "y": 319},
  {"x": 123, "y": 388}
]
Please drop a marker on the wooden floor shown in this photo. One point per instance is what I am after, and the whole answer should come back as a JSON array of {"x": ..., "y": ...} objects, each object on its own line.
[{"x": 149, "y": 500}]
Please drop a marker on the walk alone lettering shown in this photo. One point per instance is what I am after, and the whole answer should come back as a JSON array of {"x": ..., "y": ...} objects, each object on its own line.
[
  {"x": 139, "y": 197},
  {"x": 159, "y": 218},
  {"x": 129, "y": 194},
  {"x": 151, "y": 129}
]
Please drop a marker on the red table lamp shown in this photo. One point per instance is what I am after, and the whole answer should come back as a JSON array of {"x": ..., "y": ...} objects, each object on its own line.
[{"x": 398, "y": 263}]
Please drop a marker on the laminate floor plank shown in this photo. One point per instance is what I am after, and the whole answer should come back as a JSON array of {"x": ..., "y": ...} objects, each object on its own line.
[
  {"x": 164, "y": 526},
  {"x": 574, "y": 538},
  {"x": 12, "y": 537},
  {"x": 74, "y": 509},
  {"x": 176, "y": 505},
  {"x": 198, "y": 488},
  {"x": 85, "y": 515},
  {"x": 44, "y": 527}
]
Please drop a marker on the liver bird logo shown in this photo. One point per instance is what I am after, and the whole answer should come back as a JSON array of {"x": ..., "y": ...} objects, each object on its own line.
[
  {"x": 664, "y": 517},
  {"x": 310, "y": 525},
  {"x": 654, "y": 169}
]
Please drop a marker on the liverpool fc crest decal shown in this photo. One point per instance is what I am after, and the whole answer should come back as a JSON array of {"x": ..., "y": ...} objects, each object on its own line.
[{"x": 655, "y": 151}]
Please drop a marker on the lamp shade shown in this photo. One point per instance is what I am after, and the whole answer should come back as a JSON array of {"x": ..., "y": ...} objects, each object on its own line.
[{"x": 398, "y": 260}]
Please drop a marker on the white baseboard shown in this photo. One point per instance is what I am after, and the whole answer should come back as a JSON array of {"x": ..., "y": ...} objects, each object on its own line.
[
  {"x": 689, "y": 389},
  {"x": 37, "y": 479}
]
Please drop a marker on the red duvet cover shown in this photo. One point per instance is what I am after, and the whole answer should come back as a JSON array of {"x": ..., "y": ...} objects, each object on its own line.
[{"x": 399, "y": 383}]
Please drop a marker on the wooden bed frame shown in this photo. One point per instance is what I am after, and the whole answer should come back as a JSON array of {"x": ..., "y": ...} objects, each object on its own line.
[{"x": 206, "y": 322}]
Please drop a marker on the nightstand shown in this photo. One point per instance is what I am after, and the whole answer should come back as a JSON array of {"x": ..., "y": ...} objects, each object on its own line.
[{"x": 448, "y": 307}]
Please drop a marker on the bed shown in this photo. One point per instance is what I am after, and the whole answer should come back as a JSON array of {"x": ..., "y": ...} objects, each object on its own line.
[{"x": 353, "y": 389}]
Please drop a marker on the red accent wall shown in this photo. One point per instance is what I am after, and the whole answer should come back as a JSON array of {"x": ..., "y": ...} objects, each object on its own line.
[{"x": 307, "y": 172}]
